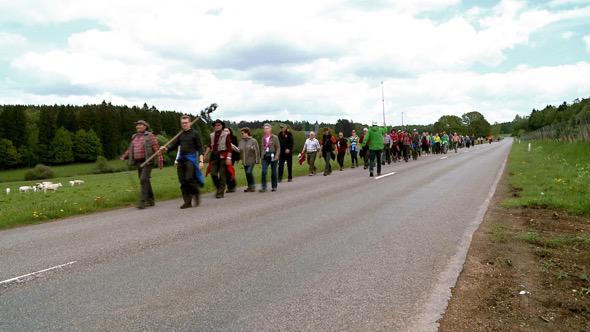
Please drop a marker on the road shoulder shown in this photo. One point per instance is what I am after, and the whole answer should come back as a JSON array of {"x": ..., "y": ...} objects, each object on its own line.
[{"x": 526, "y": 269}]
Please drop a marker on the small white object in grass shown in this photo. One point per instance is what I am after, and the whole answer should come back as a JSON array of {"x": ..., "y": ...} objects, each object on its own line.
[
  {"x": 523, "y": 292},
  {"x": 529, "y": 147},
  {"x": 7, "y": 191},
  {"x": 78, "y": 182},
  {"x": 25, "y": 189},
  {"x": 542, "y": 193}
]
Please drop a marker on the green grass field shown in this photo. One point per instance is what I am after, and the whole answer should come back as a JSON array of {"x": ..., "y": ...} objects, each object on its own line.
[
  {"x": 553, "y": 175},
  {"x": 60, "y": 171},
  {"x": 99, "y": 192}
]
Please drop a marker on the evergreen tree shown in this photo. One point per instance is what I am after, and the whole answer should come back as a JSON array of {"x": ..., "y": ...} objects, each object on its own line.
[
  {"x": 9, "y": 156},
  {"x": 47, "y": 129},
  {"x": 87, "y": 146},
  {"x": 61, "y": 147}
]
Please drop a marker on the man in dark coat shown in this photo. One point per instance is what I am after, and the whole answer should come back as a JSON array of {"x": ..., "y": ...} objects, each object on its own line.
[{"x": 286, "y": 156}]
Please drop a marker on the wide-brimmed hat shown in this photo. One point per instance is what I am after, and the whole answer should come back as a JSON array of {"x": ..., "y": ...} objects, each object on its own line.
[{"x": 142, "y": 122}]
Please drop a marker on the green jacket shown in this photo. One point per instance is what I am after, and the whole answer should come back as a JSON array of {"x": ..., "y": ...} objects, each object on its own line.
[{"x": 374, "y": 138}]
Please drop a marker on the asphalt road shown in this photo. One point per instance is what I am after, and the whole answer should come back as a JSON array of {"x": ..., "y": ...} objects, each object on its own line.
[{"x": 343, "y": 252}]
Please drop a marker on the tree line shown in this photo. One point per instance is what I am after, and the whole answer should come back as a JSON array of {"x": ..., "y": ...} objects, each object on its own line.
[
  {"x": 62, "y": 134},
  {"x": 574, "y": 113}
]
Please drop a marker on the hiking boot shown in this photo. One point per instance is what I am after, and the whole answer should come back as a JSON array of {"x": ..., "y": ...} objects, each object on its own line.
[
  {"x": 185, "y": 206},
  {"x": 371, "y": 174},
  {"x": 150, "y": 203},
  {"x": 273, "y": 189},
  {"x": 290, "y": 180}
]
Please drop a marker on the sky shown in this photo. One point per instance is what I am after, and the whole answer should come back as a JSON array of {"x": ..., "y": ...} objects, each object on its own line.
[{"x": 314, "y": 60}]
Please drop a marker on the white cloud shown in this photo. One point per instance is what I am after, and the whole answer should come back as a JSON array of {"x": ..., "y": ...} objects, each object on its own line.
[
  {"x": 587, "y": 41},
  {"x": 567, "y": 35},
  {"x": 299, "y": 60}
]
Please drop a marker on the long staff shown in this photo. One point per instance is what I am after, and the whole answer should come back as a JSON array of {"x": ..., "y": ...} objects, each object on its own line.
[{"x": 208, "y": 110}]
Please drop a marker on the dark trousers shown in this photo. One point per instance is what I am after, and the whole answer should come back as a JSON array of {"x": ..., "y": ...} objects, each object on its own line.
[
  {"x": 266, "y": 162},
  {"x": 249, "y": 169},
  {"x": 188, "y": 180},
  {"x": 386, "y": 155},
  {"x": 146, "y": 194},
  {"x": 354, "y": 158},
  {"x": 406, "y": 152},
  {"x": 327, "y": 158},
  {"x": 375, "y": 154},
  {"x": 289, "y": 160},
  {"x": 218, "y": 173},
  {"x": 340, "y": 158}
]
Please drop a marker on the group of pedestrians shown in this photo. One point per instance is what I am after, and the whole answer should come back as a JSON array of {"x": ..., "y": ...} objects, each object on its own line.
[{"x": 376, "y": 146}]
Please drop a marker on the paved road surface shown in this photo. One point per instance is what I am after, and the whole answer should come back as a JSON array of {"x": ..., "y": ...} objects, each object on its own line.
[{"x": 343, "y": 252}]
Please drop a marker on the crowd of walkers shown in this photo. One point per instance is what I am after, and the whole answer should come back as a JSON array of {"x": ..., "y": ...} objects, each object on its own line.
[{"x": 375, "y": 147}]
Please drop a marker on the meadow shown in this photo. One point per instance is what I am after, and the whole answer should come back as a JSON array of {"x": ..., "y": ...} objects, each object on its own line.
[
  {"x": 553, "y": 175},
  {"x": 100, "y": 191}
]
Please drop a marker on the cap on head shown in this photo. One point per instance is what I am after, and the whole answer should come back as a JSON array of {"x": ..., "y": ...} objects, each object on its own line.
[
  {"x": 282, "y": 125},
  {"x": 142, "y": 122}
]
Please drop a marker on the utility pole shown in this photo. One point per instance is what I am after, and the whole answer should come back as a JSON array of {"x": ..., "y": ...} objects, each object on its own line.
[{"x": 383, "y": 102}]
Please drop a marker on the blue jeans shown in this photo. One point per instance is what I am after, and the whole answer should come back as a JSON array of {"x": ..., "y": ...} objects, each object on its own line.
[
  {"x": 249, "y": 177},
  {"x": 273, "y": 172}
]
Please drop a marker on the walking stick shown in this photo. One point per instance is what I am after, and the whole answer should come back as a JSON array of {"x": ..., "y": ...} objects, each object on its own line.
[{"x": 208, "y": 110}]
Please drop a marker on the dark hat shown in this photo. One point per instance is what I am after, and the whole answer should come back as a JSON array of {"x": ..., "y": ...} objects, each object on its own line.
[
  {"x": 142, "y": 122},
  {"x": 218, "y": 121},
  {"x": 282, "y": 125}
]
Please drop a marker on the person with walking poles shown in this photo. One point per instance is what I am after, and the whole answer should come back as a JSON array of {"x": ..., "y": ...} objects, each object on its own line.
[
  {"x": 143, "y": 144},
  {"x": 328, "y": 145},
  {"x": 374, "y": 141},
  {"x": 219, "y": 152},
  {"x": 311, "y": 148},
  {"x": 270, "y": 154},
  {"x": 190, "y": 149},
  {"x": 354, "y": 149},
  {"x": 286, "y": 141},
  {"x": 250, "y": 155},
  {"x": 341, "y": 148}
]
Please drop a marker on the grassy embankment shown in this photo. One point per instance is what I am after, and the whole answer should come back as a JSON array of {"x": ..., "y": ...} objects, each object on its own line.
[
  {"x": 553, "y": 175},
  {"x": 99, "y": 192}
]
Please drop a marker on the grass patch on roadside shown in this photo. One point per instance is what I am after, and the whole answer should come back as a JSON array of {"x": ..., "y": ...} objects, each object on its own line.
[
  {"x": 555, "y": 241},
  {"x": 553, "y": 175},
  {"x": 102, "y": 191}
]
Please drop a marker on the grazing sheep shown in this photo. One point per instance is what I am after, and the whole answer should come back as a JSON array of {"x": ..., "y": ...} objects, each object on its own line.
[
  {"x": 25, "y": 189},
  {"x": 72, "y": 183},
  {"x": 78, "y": 182},
  {"x": 52, "y": 187},
  {"x": 7, "y": 191}
]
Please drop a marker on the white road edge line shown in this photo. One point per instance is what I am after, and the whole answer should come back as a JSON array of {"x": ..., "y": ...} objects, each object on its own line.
[
  {"x": 7, "y": 281},
  {"x": 445, "y": 157},
  {"x": 384, "y": 175}
]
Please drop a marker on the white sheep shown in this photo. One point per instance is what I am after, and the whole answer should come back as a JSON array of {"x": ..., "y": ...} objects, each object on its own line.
[
  {"x": 24, "y": 189},
  {"x": 72, "y": 183},
  {"x": 52, "y": 187},
  {"x": 78, "y": 182},
  {"x": 7, "y": 191}
]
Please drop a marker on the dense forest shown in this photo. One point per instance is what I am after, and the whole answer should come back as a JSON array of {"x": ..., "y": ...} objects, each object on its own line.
[{"x": 62, "y": 134}]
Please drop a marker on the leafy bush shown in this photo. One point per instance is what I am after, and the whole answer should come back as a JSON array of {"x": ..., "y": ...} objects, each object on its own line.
[
  {"x": 103, "y": 166},
  {"x": 39, "y": 172}
]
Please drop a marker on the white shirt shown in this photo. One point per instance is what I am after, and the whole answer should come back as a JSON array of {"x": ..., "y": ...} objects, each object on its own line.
[{"x": 312, "y": 145}]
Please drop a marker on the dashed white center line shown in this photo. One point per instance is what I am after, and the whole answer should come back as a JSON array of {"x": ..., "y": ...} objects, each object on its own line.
[
  {"x": 445, "y": 157},
  {"x": 384, "y": 175},
  {"x": 32, "y": 274}
]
